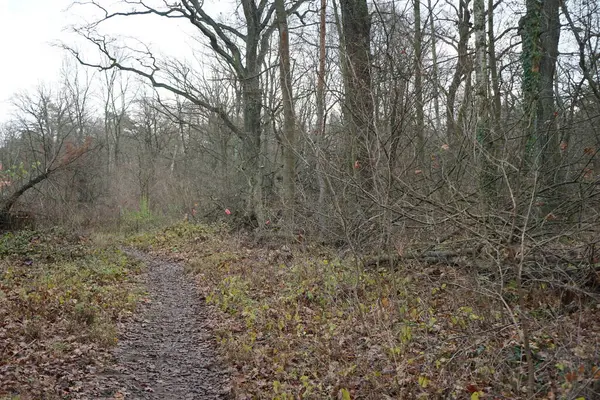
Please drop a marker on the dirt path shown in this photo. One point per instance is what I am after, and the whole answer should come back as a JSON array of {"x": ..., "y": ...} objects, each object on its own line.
[{"x": 167, "y": 352}]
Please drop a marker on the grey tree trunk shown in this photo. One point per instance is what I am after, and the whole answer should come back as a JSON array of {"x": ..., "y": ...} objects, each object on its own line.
[
  {"x": 483, "y": 131},
  {"x": 548, "y": 137},
  {"x": 435, "y": 68},
  {"x": 252, "y": 145},
  {"x": 462, "y": 67},
  {"x": 252, "y": 99},
  {"x": 496, "y": 103},
  {"x": 320, "y": 134},
  {"x": 418, "y": 71},
  {"x": 289, "y": 118},
  {"x": 346, "y": 107},
  {"x": 540, "y": 31},
  {"x": 356, "y": 23}
]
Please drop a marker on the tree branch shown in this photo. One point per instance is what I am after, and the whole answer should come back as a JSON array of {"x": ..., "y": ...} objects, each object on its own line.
[{"x": 114, "y": 63}]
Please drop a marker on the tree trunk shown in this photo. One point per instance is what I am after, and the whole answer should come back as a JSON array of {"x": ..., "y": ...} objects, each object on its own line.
[
  {"x": 495, "y": 78},
  {"x": 356, "y": 22},
  {"x": 8, "y": 204},
  {"x": 418, "y": 71},
  {"x": 320, "y": 134},
  {"x": 289, "y": 119},
  {"x": 483, "y": 132},
  {"x": 252, "y": 146},
  {"x": 435, "y": 69},
  {"x": 548, "y": 143},
  {"x": 351, "y": 154},
  {"x": 464, "y": 33},
  {"x": 252, "y": 98},
  {"x": 540, "y": 31}
]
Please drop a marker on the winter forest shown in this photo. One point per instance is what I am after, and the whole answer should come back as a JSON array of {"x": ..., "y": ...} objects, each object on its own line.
[{"x": 426, "y": 168}]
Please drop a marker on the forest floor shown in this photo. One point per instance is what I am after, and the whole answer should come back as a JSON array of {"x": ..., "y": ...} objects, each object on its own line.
[
  {"x": 80, "y": 322},
  {"x": 297, "y": 321},
  {"x": 62, "y": 300},
  {"x": 197, "y": 312},
  {"x": 166, "y": 351}
]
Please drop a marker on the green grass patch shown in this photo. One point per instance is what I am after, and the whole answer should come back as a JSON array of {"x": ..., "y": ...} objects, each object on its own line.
[{"x": 176, "y": 237}]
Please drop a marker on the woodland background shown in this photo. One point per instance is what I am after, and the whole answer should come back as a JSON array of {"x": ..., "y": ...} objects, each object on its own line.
[{"x": 360, "y": 122}]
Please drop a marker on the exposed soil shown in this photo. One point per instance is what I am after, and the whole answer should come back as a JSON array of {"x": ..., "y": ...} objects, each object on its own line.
[{"x": 167, "y": 351}]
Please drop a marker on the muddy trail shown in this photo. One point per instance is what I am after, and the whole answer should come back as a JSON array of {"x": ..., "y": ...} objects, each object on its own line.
[{"x": 167, "y": 351}]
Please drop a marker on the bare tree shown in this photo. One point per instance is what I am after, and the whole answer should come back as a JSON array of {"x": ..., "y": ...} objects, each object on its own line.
[
  {"x": 244, "y": 51},
  {"x": 48, "y": 138},
  {"x": 320, "y": 126}
]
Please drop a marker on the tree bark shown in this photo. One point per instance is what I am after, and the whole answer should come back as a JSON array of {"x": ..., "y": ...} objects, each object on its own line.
[
  {"x": 320, "y": 131},
  {"x": 435, "y": 68},
  {"x": 540, "y": 31},
  {"x": 418, "y": 71},
  {"x": 252, "y": 146},
  {"x": 462, "y": 68},
  {"x": 483, "y": 131},
  {"x": 495, "y": 78},
  {"x": 549, "y": 146},
  {"x": 356, "y": 22},
  {"x": 8, "y": 204},
  {"x": 289, "y": 118}
]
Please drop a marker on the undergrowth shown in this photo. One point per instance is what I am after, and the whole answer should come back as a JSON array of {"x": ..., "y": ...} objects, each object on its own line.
[
  {"x": 301, "y": 323},
  {"x": 60, "y": 300}
]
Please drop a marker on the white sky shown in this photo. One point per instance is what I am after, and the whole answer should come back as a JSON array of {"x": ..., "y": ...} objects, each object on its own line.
[
  {"x": 29, "y": 27},
  {"x": 26, "y": 57}
]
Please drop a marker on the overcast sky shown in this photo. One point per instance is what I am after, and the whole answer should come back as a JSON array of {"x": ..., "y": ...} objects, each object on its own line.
[
  {"x": 28, "y": 28},
  {"x": 26, "y": 58}
]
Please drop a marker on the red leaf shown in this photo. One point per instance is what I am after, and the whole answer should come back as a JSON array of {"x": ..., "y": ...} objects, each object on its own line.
[
  {"x": 472, "y": 388},
  {"x": 563, "y": 146},
  {"x": 551, "y": 217}
]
